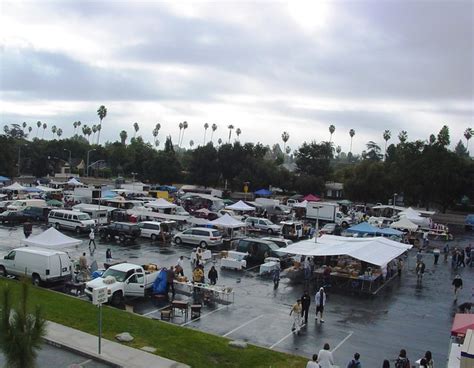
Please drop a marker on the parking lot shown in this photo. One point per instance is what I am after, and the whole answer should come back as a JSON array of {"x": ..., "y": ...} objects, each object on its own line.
[{"x": 403, "y": 315}]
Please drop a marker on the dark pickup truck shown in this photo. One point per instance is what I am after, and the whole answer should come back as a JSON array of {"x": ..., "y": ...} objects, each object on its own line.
[
  {"x": 124, "y": 231},
  {"x": 12, "y": 217}
]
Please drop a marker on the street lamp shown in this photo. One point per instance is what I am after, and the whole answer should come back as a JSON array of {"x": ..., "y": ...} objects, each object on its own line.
[
  {"x": 70, "y": 165},
  {"x": 87, "y": 167},
  {"x": 19, "y": 157},
  {"x": 133, "y": 183}
]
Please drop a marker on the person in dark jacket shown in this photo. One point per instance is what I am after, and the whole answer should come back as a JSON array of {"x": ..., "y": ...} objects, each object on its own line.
[
  {"x": 305, "y": 303},
  {"x": 212, "y": 275}
]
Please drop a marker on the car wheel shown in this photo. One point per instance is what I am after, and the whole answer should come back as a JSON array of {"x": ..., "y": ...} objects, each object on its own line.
[
  {"x": 36, "y": 279},
  {"x": 270, "y": 231},
  {"x": 122, "y": 238},
  {"x": 153, "y": 237},
  {"x": 57, "y": 226},
  {"x": 3, "y": 271},
  {"x": 345, "y": 224},
  {"x": 78, "y": 230},
  {"x": 178, "y": 240},
  {"x": 117, "y": 299},
  {"x": 203, "y": 244}
]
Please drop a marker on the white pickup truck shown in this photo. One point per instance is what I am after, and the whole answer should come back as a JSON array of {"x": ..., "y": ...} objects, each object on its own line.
[{"x": 124, "y": 280}]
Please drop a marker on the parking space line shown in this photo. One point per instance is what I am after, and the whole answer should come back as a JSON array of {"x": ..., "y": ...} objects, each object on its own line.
[
  {"x": 204, "y": 315},
  {"x": 243, "y": 325},
  {"x": 155, "y": 310},
  {"x": 85, "y": 362},
  {"x": 343, "y": 341},
  {"x": 284, "y": 338}
]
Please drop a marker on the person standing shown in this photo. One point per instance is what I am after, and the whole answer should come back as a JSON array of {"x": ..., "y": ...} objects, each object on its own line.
[
  {"x": 355, "y": 363},
  {"x": 386, "y": 364},
  {"x": 170, "y": 282},
  {"x": 419, "y": 256},
  {"x": 468, "y": 255},
  {"x": 429, "y": 359},
  {"x": 457, "y": 283},
  {"x": 108, "y": 255},
  {"x": 461, "y": 256},
  {"x": 296, "y": 312},
  {"x": 83, "y": 262},
  {"x": 313, "y": 363},
  {"x": 180, "y": 265},
  {"x": 436, "y": 253},
  {"x": 402, "y": 360},
  {"x": 27, "y": 229},
  {"x": 420, "y": 270},
  {"x": 320, "y": 299},
  {"x": 446, "y": 252},
  {"x": 276, "y": 277},
  {"x": 305, "y": 303},
  {"x": 399, "y": 267},
  {"x": 92, "y": 241},
  {"x": 325, "y": 358},
  {"x": 212, "y": 275}
]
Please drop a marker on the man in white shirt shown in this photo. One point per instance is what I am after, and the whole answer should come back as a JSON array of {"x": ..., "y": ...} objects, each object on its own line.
[
  {"x": 325, "y": 358},
  {"x": 180, "y": 265},
  {"x": 313, "y": 363},
  {"x": 320, "y": 299}
]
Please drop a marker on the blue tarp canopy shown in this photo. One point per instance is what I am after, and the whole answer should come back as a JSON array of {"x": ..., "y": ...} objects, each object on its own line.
[
  {"x": 366, "y": 228},
  {"x": 33, "y": 190},
  {"x": 263, "y": 192},
  {"x": 389, "y": 231},
  {"x": 4, "y": 178}
]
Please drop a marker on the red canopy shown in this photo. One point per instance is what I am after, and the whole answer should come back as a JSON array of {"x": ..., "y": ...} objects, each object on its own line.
[
  {"x": 312, "y": 198},
  {"x": 462, "y": 323}
]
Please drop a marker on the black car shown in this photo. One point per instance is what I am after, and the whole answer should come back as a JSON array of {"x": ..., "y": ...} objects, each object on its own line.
[
  {"x": 259, "y": 249},
  {"x": 124, "y": 231},
  {"x": 36, "y": 213},
  {"x": 13, "y": 217}
]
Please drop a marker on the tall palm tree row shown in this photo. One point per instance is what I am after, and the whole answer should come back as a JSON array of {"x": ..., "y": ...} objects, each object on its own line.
[
  {"x": 206, "y": 126},
  {"x": 230, "y": 127},
  {"x": 136, "y": 128},
  {"x": 387, "y": 134},
  {"x": 44, "y": 128},
  {"x": 185, "y": 126},
  {"x": 102, "y": 113},
  {"x": 214, "y": 128},
  {"x": 468, "y": 133}
]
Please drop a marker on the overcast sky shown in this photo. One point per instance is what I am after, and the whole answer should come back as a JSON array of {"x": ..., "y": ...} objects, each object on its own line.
[{"x": 265, "y": 67}]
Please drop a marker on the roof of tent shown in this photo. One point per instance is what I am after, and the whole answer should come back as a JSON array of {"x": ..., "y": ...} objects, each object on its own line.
[
  {"x": 363, "y": 228},
  {"x": 51, "y": 238},
  {"x": 14, "y": 186},
  {"x": 377, "y": 251},
  {"x": 160, "y": 203},
  {"x": 263, "y": 192},
  {"x": 462, "y": 322},
  {"x": 404, "y": 223},
  {"x": 389, "y": 231},
  {"x": 227, "y": 221},
  {"x": 303, "y": 204},
  {"x": 74, "y": 181},
  {"x": 4, "y": 178},
  {"x": 312, "y": 198},
  {"x": 468, "y": 345},
  {"x": 47, "y": 189},
  {"x": 240, "y": 206}
]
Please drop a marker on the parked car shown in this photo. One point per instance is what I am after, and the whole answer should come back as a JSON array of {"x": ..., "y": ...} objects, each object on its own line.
[
  {"x": 470, "y": 222},
  {"x": 124, "y": 231},
  {"x": 80, "y": 222},
  {"x": 13, "y": 217},
  {"x": 333, "y": 229},
  {"x": 202, "y": 236},
  {"x": 259, "y": 249},
  {"x": 36, "y": 213},
  {"x": 281, "y": 242},
  {"x": 153, "y": 229},
  {"x": 263, "y": 224},
  {"x": 4, "y": 205},
  {"x": 21, "y": 204},
  {"x": 41, "y": 265}
]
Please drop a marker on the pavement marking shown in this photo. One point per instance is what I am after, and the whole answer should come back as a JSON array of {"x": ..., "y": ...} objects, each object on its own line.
[
  {"x": 85, "y": 362},
  {"x": 243, "y": 325},
  {"x": 204, "y": 315},
  {"x": 343, "y": 341},
  {"x": 155, "y": 310},
  {"x": 285, "y": 337}
]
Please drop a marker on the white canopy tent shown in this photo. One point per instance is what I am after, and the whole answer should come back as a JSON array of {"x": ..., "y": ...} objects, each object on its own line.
[
  {"x": 15, "y": 186},
  {"x": 377, "y": 251},
  {"x": 415, "y": 217},
  {"x": 240, "y": 206},
  {"x": 51, "y": 238},
  {"x": 74, "y": 182},
  {"x": 47, "y": 189},
  {"x": 301, "y": 204},
  {"x": 404, "y": 224},
  {"x": 160, "y": 204},
  {"x": 227, "y": 222}
]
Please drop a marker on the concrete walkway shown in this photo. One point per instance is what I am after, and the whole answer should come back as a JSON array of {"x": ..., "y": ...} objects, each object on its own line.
[{"x": 116, "y": 354}]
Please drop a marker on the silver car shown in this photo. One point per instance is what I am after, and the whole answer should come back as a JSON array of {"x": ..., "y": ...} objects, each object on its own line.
[{"x": 202, "y": 236}]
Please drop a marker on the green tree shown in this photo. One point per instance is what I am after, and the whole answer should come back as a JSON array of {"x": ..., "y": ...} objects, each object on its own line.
[
  {"x": 403, "y": 136},
  {"x": 204, "y": 168},
  {"x": 443, "y": 136},
  {"x": 461, "y": 150},
  {"x": 102, "y": 113},
  {"x": 373, "y": 151},
  {"x": 314, "y": 159},
  {"x": 21, "y": 332}
]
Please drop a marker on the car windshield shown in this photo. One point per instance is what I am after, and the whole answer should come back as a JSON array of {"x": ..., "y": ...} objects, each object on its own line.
[
  {"x": 216, "y": 233},
  {"x": 16, "y": 203},
  {"x": 83, "y": 217},
  {"x": 119, "y": 275},
  {"x": 268, "y": 222},
  {"x": 273, "y": 246}
]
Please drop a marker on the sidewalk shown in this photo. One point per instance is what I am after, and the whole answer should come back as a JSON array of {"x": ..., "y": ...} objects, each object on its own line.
[{"x": 117, "y": 354}]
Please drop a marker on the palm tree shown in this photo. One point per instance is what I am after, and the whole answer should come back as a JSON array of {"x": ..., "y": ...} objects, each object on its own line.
[
  {"x": 155, "y": 134},
  {"x": 468, "y": 133},
  {"x": 219, "y": 141},
  {"x": 54, "y": 130},
  {"x": 288, "y": 150},
  {"x": 214, "y": 128},
  {"x": 185, "y": 126},
  {"x": 38, "y": 124},
  {"x": 94, "y": 130},
  {"x": 24, "y": 126},
  {"x": 403, "y": 136},
  {"x": 29, "y": 130},
  {"x": 156, "y": 131},
  {"x": 59, "y": 133},
  {"x": 89, "y": 132},
  {"x": 238, "y": 132},
  {"x": 123, "y": 137},
  {"x": 338, "y": 150},
  {"x": 206, "y": 126},
  {"x": 102, "y": 112},
  {"x": 44, "y": 128},
  {"x": 85, "y": 130},
  {"x": 352, "y": 134},
  {"x": 191, "y": 143},
  {"x": 136, "y": 128},
  {"x": 284, "y": 137},
  {"x": 332, "y": 129},
  {"x": 157, "y": 143},
  {"x": 180, "y": 125},
  {"x": 21, "y": 332},
  {"x": 75, "y": 127},
  {"x": 386, "y": 136},
  {"x": 230, "y": 127}
]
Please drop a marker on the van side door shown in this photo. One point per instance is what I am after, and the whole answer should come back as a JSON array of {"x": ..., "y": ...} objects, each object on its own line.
[{"x": 9, "y": 262}]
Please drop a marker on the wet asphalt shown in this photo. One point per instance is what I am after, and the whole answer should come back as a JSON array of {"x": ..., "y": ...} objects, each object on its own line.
[{"x": 405, "y": 314}]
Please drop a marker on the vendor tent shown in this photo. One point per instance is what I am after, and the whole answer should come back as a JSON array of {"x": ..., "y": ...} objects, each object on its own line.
[
  {"x": 377, "y": 251},
  {"x": 345, "y": 202},
  {"x": 51, "y": 238},
  {"x": 4, "y": 179},
  {"x": 15, "y": 186},
  {"x": 303, "y": 204},
  {"x": 312, "y": 198},
  {"x": 42, "y": 188},
  {"x": 32, "y": 190},
  {"x": 74, "y": 182},
  {"x": 240, "y": 206},
  {"x": 467, "y": 351},
  {"x": 415, "y": 217},
  {"x": 462, "y": 322},
  {"x": 160, "y": 203},
  {"x": 54, "y": 203},
  {"x": 389, "y": 232},
  {"x": 363, "y": 228},
  {"x": 263, "y": 192},
  {"x": 227, "y": 222},
  {"x": 404, "y": 224}
]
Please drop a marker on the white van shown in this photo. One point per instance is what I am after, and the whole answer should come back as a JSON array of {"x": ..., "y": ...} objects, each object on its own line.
[
  {"x": 73, "y": 220},
  {"x": 152, "y": 229},
  {"x": 100, "y": 214},
  {"x": 21, "y": 204},
  {"x": 41, "y": 265}
]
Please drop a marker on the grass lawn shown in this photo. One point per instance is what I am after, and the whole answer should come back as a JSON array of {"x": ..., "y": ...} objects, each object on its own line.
[{"x": 185, "y": 345}]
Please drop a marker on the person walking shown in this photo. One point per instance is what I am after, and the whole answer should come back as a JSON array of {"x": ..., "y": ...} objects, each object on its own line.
[
  {"x": 325, "y": 358},
  {"x": 27, "y": 229},
  {"x": 457, "y": 283},
  {"x": 402, "y": 360},
  {"x": 92, "y": 241},
  {"x": 305, "y": 303},
  {"x": 276, "y": 277},
  {"x": 461, "y": 256},
  {"x": 420, "y": 270},
  {"x": 446, "y": 252},
  {"x": 436, "y": 253},
  {"x": 399, "y": 267},
  {"x": 108, "y": 255},
  {"x": 296, "y": 312},
  {"x": 313, "y": 363},
  {"x": 429, "y": 359},
  {"x": 320, "y": 299},
  {"x": 212, "y": 275},
  {"x": 355, "y": 363},
  {"x": 386, "y": 364}
]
